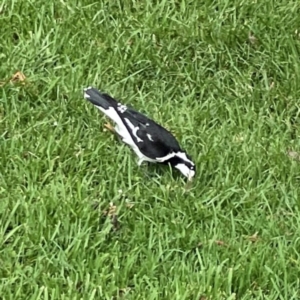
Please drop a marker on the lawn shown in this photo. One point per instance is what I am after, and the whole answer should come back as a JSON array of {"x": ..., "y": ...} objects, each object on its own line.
[{"x": 80, "y": 219}]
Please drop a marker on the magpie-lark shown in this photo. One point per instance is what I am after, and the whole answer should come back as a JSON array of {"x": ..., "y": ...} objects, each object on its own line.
[{"x": 150, "y": 141}]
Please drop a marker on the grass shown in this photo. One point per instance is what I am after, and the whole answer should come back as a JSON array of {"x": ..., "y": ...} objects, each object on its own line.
[{"x": 79, "y": 219}]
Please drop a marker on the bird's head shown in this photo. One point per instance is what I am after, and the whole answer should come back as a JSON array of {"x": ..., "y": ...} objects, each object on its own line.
[{"x": 184, "y": 164}]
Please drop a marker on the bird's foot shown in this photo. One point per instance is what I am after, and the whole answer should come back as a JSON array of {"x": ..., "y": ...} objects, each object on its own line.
[{"x": 109, "y": 127}]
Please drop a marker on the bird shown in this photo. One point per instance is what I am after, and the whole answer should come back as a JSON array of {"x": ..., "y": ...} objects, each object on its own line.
[{"x": 150, "y": 141}]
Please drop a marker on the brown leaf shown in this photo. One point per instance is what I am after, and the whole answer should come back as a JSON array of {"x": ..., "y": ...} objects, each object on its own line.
[
  {"x": 221, "y": 243},
  {"x": 18, "y": 77},
  {"x": 293, "y": 154},
  {"x": 111, "y": 212},
  {"x": 109, "y": 127},
  {"x": 112, "y": 209}
]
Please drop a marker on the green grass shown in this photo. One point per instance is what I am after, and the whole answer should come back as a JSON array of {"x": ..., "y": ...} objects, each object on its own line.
[{"x": 196, "y": 68}]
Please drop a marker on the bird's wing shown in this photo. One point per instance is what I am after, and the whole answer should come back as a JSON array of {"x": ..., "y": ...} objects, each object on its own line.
[{"x": 153, "y": 140}]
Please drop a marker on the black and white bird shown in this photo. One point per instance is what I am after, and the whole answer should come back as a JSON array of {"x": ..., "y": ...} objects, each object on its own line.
[{"x": 150, "y": 141}]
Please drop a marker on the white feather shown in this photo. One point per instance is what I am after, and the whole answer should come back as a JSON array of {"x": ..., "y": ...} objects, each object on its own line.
[
  {"x": 133, "y": 129},
  {"x": 181, "y": 155},
  {"x": 150, "y": 137}
]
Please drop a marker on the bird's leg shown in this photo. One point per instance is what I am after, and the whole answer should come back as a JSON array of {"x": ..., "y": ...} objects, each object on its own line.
[
  {"x": 145, "y": 168},
  {"x": 140, "y": 161},
  {"x": 109, "y": 127}
]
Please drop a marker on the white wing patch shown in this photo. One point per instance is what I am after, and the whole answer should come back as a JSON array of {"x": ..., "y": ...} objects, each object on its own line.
[
  {"x": 86, "y": 95},
  {"x": 133, "y": 129},
  {"x": 121, "y": 108},
  {"x": 164, "y": 158},
  {"x": 150, "y": 137},
  {"x": 181, "y": 155}
]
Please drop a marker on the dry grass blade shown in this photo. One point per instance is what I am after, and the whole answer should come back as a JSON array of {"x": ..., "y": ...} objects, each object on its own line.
[
  {"x": 18, "y": 77},
  {"x": 252, "y": 39},
  {"x": 293, "y": 154},
  {"x": 111, "y": 212},
  {"x": 221, "y": 243}
]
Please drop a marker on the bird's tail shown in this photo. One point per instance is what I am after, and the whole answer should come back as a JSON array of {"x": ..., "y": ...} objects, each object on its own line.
[{"x": 99, "y": 99}]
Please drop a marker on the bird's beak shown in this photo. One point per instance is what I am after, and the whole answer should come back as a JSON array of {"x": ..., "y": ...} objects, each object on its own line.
[{"x": 191, "y": 175}]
